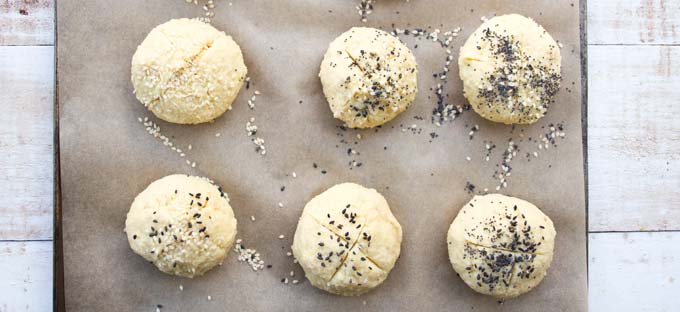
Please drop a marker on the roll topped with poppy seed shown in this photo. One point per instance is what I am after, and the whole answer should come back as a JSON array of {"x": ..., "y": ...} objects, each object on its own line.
[
  {"x": 510, "y": 67},
  {"x": 182, "y": 224},
  {"x": 500, "y": 245},
  {"x": 187, "y": 72},
  {"x": 347, "y": 240},
  {"x": 369, "y": 77}
]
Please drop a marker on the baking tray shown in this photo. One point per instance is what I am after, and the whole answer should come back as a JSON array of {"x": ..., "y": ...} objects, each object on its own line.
[{"x": 368, "y": 302}]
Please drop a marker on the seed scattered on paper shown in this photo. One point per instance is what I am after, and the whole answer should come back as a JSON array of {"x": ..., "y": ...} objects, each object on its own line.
[
  {"x": 208, "y": 7},
  {"x": 154, "y": 130},
  {"x": 249, "y": 256}
]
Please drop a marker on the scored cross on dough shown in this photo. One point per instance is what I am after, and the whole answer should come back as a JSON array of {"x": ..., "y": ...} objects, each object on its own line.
[
  {"x": 501, "y": 246},
  {"x": 347, "y": 240},
  {"x": 370, "y": 222},
  {"x": 510, "y": 67},
  {"x": 340, "y": 258},
  {"x": 368, "y": 77},
  {"x": 186, "y": 71}
]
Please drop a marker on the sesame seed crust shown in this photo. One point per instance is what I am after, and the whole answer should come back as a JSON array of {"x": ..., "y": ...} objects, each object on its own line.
[
  {"x": 347, "y": 240},
  {"x": 182, "y": 224},
  {"x": 500, "y": 245},
  {"x": 510, "y": 67},
  {"x": 368, "y": 77},
  {"x": 187, "y": 72}
]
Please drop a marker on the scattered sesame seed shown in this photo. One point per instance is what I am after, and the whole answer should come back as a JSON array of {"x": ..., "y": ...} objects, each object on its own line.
[
  {"x": 154, "y": 130},
  {"x": 364, "y": 9},
  {"x": 208, "y": 9},
  {"x": 250, "y": 256}
]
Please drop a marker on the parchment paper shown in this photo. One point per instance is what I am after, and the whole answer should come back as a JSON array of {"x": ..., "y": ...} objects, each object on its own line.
[{"x": 107, "y": 158}]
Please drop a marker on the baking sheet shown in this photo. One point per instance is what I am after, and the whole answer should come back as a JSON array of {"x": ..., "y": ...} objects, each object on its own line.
[{"x": 107, "y": 157}]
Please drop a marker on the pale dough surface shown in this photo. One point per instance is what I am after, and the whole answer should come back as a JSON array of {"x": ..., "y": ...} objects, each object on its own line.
[
  {"x": 369, "y": 77},
  {"x": 510, "y": 67},
  {"x": 501, "y": 245},
  {"x": 187, "y": 72},
  {"x": 182, "y": 224},
  {"x": 347, "y": 240}
]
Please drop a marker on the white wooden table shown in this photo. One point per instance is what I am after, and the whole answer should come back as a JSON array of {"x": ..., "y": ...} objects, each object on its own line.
[{"x": 633, "y": 154}]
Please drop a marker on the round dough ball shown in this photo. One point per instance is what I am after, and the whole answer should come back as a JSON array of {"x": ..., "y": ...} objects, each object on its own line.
[
  {"x": 368, "y": 77},
  {"x": 182, "y": 224},
  {"x": 347, "y": 240},
  {"x": 510, "y": 67},
  {"x": 500, "y": 245},
  {"x": 187, "y": 72}
]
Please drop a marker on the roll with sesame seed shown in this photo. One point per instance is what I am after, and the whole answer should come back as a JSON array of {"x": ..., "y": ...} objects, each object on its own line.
[
  {"x": 510, "y": 67},
  {"x": 187, "y": 72},
  {"x": 369, "y": 77},
  {"x": 182, "y": 224},
  {"x": 347, "y": 240},
  {"x": 501, "y": 246}
]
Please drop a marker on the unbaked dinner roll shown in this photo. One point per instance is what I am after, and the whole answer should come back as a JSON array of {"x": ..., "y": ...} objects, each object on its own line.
[
  {"x": 347, "y": 240},
  {"x": 187, "y": 72},
  {"x": 182, "y": 224},
  {"x": 510, "y": 67},
  {"x": 500, "y": 245},
  {"x": 368, "y": 77}
]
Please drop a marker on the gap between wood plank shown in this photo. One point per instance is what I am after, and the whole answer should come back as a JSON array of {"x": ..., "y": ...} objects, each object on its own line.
[
  {"x": 636, "y": 44},
  {"x": 24, "y": 240},
  {"x": 632, "y": 231},
  {"x": 26, "y": 45}
]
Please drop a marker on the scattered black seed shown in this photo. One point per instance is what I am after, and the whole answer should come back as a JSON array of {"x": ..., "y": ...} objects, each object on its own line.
[{"x": 469, "y": 187}]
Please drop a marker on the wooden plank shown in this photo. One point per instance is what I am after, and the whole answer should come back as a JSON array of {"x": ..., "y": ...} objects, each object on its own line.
[
  {"x": 634, "y": 22},
  {"x": 634, "y": 138},
  {"x": 27, "y": 22},
  {"x": 26, "y": 276},
  {"x": 634, "y": 272},
  {"x": 26, "y": 136}
]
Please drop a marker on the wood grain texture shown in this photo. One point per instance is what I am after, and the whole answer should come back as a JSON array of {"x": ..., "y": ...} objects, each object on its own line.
[
  {"x": 634, "y": 138},
  {"x": 634, "y": 22},
  {"x": 26, "y": 22},
  {"x": 26, "y": 168},
  {"x": 634, "y": 272},
  {"x": 25, "y": 276}
]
